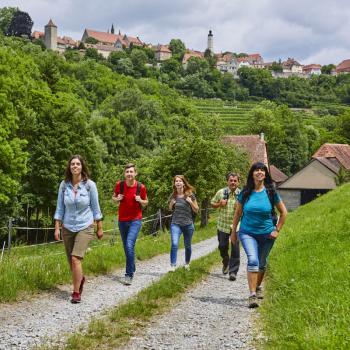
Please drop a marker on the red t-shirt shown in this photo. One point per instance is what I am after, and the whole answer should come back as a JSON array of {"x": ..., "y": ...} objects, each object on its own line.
[{"x": 129, "y": 209}]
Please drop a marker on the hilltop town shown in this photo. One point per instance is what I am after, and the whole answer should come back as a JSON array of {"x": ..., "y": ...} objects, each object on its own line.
[{"x": 228, "y": 62}]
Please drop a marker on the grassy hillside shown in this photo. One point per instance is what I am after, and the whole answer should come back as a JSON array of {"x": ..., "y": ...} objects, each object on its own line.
[{"x": 307, "y": 300}]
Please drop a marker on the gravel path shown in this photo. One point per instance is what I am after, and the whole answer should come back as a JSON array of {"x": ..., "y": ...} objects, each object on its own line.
[
  {"x": 50, "y": 316},
  {"x": 214, "y": 315}
]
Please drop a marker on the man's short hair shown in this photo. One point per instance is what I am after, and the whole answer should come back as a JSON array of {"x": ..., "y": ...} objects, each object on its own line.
[
  {"x": 130, "y": 165},
  {"x": 231, "y": 174}
]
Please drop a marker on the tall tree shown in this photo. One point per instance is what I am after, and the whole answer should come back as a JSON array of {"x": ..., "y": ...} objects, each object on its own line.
[
  {"x": 20, "y": 25},
  {"x": 6, "y": 14}
]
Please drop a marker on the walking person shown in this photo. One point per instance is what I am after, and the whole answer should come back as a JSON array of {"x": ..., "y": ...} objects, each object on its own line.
[
  {"x": 184, "y": 205},
  {"x": 224, "y": 201},
  {"x": 259, "y": 227},
  {"x": 77, "y": 209},
  {"x": 131, "y": 196}
]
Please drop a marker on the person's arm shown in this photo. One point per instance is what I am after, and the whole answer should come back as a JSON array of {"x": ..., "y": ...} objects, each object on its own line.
[
  {"x": 193, "y": 203},
  {"x": 236, "y": 218},
  {"x": 283, "y": 214},
  {"x": 117, "y": 197},
  {"x": 218, "y": 201},
  {"x": 172, "y": 203},
  {"x": 59, "y": 213},
  {"x": 142, "y": 199},
  {"x": 96, "y": 211}
]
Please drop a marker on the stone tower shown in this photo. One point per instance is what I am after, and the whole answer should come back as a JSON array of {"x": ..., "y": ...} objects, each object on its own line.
[
  {"x": 210, "y": 42},
  {"x": 112, "y": 29},
  {"x": 50, "y": 38}
]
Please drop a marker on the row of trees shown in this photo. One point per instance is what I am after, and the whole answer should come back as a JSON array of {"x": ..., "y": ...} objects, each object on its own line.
[{"x": 51, "y": 108}]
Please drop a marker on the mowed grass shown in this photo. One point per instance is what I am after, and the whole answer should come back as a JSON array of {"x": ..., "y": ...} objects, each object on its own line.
[
  {"x": 128, "y": 319},
  {"x": 23, "y": 275},
  {"x": 307, "y": 304}
]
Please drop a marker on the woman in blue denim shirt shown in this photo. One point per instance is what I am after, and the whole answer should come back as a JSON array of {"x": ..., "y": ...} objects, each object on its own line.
[
  {"x": 258, "y": 231},
  {"x": 77, "y": 209}
]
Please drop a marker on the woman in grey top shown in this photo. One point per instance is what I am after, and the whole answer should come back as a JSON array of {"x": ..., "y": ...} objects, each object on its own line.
[{"x": 183, "y": 203}]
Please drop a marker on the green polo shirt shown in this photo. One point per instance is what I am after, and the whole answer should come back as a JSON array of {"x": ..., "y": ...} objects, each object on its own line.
[{"x": 225, "y": 217}]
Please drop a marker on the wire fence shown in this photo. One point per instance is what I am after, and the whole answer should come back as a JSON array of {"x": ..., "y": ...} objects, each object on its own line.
[{"x": 158, "y": 224}]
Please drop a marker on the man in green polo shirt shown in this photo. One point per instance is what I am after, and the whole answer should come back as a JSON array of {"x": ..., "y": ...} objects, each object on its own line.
[{"x": 225, "y": 200}]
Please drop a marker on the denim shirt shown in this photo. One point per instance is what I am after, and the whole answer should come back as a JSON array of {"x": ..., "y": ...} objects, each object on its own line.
[{"x": 77, "y": 211}]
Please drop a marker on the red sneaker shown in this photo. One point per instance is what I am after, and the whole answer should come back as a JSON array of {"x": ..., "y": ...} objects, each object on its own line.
[
  {"x": 82, "y": 285},
  {"x": 75, "y": 298}
]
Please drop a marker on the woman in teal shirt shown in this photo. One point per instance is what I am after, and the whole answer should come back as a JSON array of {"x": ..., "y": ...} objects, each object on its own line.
[{"x": 255, "y": 209}]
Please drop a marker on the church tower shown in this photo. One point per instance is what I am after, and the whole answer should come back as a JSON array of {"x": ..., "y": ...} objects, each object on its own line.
[
  {"x": 210, "y": 42},
  {"x": 50, "y": 37},
  {"x": 112, "y": 29}
]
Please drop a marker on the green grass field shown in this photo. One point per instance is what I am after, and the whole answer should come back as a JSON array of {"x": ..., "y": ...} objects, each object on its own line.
[
  {"x": 307, "y": 304},
  {"x": 29, "y": 270}
]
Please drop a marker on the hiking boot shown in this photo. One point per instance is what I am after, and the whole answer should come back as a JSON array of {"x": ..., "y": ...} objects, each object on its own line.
[
  {"x": 187, "y": 266},
  {"x": 232, "y": 276},
  {"x": 127, "y": 280},
  {"x": 172, "y": 268},
  {"x": 253, "y": 302},
  {"x": 259, "y": 293},
  {"x": 75, "y": 298},
  {"x": 81, "y": 285},
  {"x": 225, "y": 269}
]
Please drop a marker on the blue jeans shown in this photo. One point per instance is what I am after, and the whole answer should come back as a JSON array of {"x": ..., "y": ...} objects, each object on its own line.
[
  {"x": 257, "y": 247},
  {"x": 129, "y": 231},
  {"x": 175, "y": 231}
]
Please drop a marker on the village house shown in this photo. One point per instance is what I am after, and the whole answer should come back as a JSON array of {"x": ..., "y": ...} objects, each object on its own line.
[
  {"x": 343, "y": 67},
  {"x": 312, "y": 69},
  {"x": 252, "y": 60},
  {"x": 227, "y": 63},
  {"x": 162, "y": 52},
  {"x": 189, "y": 54},
  {"x": 292, "y": 67},
  {"x": 317, "y": 177}
]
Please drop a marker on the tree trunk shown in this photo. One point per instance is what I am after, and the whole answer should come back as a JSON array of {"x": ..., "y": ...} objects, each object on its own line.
[{"x": 204, "y": 212}]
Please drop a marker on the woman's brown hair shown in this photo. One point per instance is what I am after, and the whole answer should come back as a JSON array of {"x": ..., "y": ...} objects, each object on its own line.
[
  {"x": 188, "y": 189},
  {"x": 85, "y": 175}
]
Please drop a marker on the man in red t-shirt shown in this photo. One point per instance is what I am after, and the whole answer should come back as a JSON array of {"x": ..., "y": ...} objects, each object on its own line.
[{"x": 131, "y": 196}]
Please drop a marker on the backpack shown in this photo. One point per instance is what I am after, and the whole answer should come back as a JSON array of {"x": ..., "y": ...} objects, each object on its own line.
[
  {"x": 122, "y": 186},
  {"x": 226, "y": 193}
]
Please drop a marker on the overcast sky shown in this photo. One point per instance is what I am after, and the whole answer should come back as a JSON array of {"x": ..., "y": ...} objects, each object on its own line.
[{"x": 310, "y": 31}]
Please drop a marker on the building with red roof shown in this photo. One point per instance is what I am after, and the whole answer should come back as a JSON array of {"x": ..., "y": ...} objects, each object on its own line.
[{"x": 343, "y": 67}]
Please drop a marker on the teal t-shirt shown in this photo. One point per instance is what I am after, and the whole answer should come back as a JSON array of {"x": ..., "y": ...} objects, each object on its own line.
[{"x": 257, "y": 212}]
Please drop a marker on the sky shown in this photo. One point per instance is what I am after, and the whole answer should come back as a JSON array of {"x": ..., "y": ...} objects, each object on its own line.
[{"x": 310, "y": 31}]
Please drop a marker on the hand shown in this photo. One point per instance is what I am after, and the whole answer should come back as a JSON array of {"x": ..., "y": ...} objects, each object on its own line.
[
  {"x": 189, "y": 200},
  {"x": 223, "y": 202},
  {"x": 138, "y": 199},
  {"x": 274, "y": 234},
  {"x": 119, "y": 198},
  {"x": 57, "y": 234},
  {"x": 233, "y": 237},
  {"x": 99, "y": 233}
]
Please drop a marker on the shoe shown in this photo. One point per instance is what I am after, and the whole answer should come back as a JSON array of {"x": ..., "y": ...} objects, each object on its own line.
[
  {"x": 232, "y": 276},
  {"x": 75, "y": 298},
  {"x": 172, "y": 268},
  {"x": 225, "y": 269},
  {"x": 81, "y": 285},
  {"x": 253, "y": 302},
  {"x": 127, "y": 281},
  {"x": 187, "y": 266},
  {"x": 259, "y": 293}
]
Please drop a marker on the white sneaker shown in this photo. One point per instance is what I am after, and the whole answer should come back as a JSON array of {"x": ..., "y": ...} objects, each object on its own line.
[
  {"x": 172, "y": 268},
  {"x": 127, "y": 281},
  {"x": 187, "y": 266}
]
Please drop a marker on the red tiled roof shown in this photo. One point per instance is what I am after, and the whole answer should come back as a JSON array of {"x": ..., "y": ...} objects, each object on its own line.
[
  {"x": 277, "y": 175},
  {"x": 191, "y": 54},
  {"x": 252, "y": 144},
  {"x": 341, "y": 152},
  {"x": 162, "y": 48},
  {"x": 312, "y": 66},
  {"x": 66, "y": 40},
  {"x": 37, "y": 35},
  {"x": 290, "y": 62},
  {"x": 102, "y": 36},
  {"x": 343, "y": 66}
]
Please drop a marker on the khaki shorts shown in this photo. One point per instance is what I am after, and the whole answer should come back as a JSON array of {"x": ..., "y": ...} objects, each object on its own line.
[{"x": 76, "y": 243}]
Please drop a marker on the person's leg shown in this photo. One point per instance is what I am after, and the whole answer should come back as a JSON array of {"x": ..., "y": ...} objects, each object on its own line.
[
  {"x": 68, "y": 238},
  {"x": 234, "y": 258},
  {"x": 188, "y": 234},
  {"x": 123, "y": 229},
  {"x": 77, "y": 272},
  {"x": 175, "y": 232},
  {"x": 250, "y": 246},
  {"x": 134, "y": 229},
  {"x": 223, "y": 239},
  {"x": 265, "y": 245}
]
